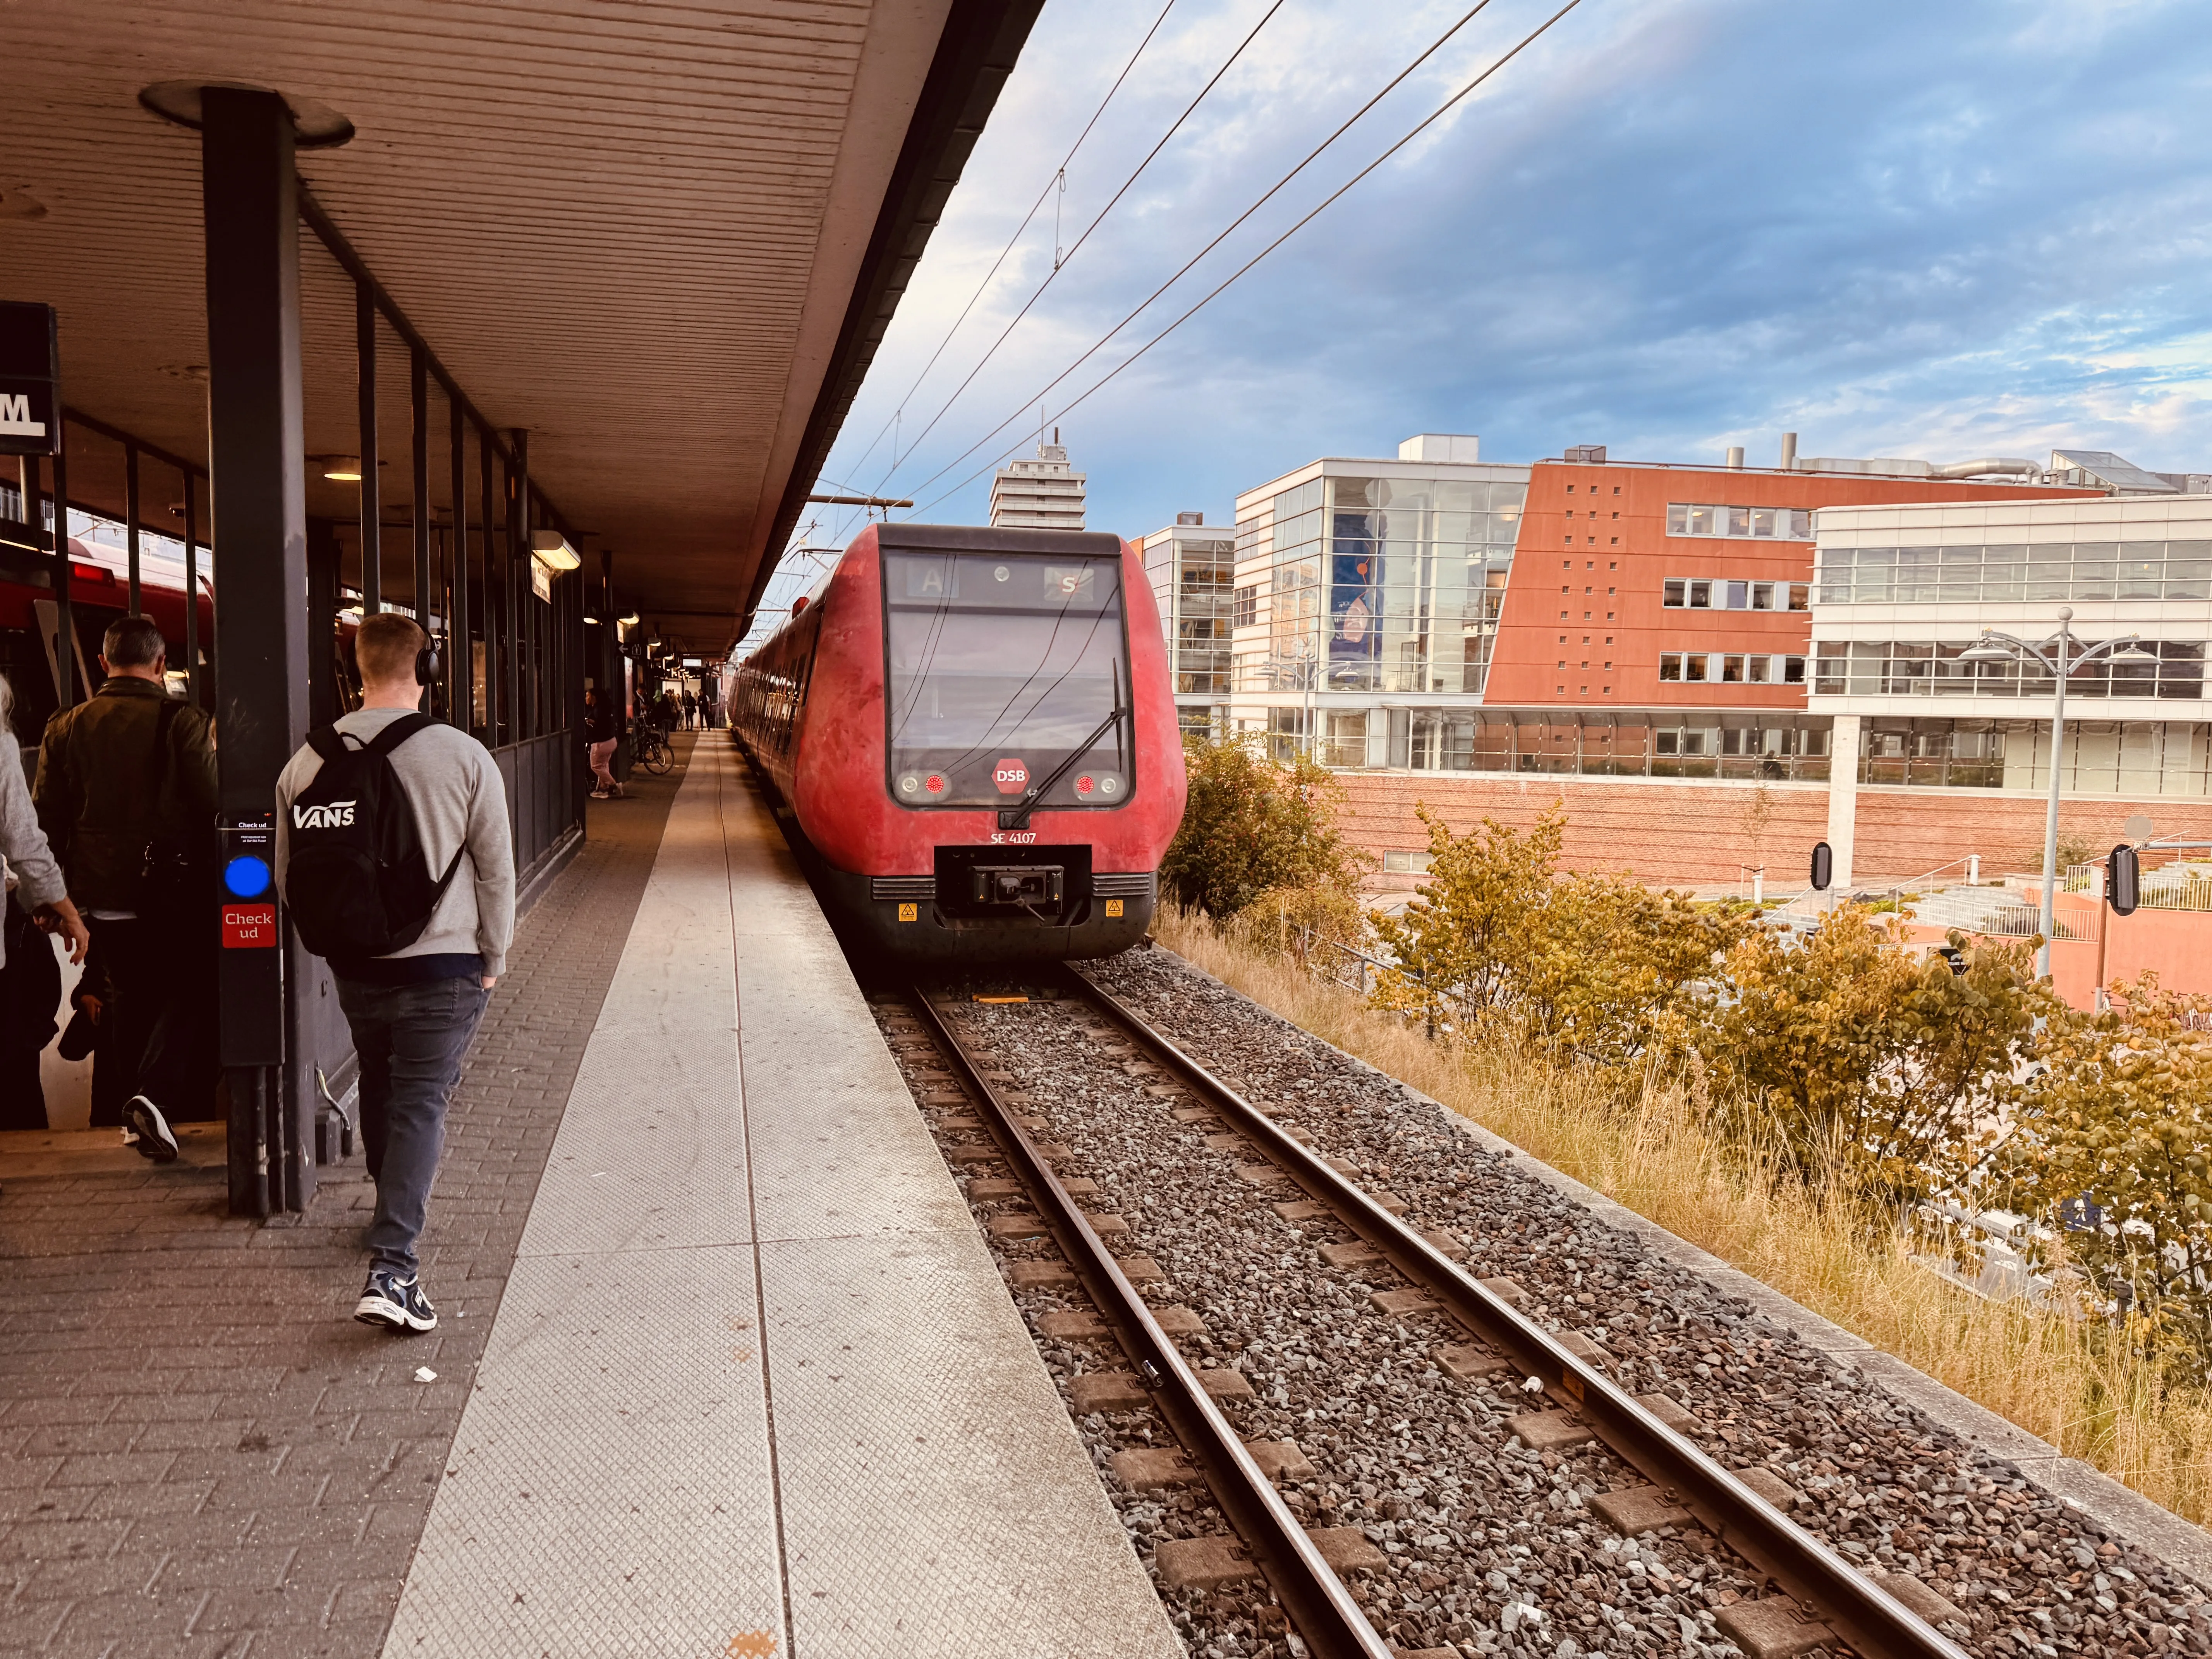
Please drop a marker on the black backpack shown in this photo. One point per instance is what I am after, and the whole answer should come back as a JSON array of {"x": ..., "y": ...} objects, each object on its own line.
[{"x": 357, "y": 879}]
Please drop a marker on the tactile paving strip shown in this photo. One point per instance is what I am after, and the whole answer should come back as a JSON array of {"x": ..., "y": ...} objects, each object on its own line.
[
  {"x": 613, "y": 1487},
  {"x": 609, "y": 1490},
  {"x": 936, "y": 1499}
]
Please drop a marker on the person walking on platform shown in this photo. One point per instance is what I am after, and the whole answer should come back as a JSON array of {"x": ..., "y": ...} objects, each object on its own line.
[
  {"x": 394, "y": 856},
  {"x": 126, "y": 794},
  {"x": 690, "y": 710},
  {"x": 601, "y": 731},
  {"x": 30, "y": 982}
]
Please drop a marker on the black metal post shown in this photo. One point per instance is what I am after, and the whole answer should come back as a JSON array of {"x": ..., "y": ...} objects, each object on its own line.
[
  {"x": 326, "y": 702},
  {"x": 372, "y": 508},
  {"x": 485, "y": 610},
  {"x": 456, "y": 576},
  {"x": 191, "y": 597},
  {"x": 419, "y": 400},
  {"x": 574, "y": 588},
  {"x": 131, "y": 517},
  {"x": 517, "y": 572},
  {"x": 254, "y": 447},
  {"x": 64, "y": 613}
]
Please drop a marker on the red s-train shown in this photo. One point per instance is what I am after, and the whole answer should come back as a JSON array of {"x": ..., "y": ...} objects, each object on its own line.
[
  {"x": 973, "y": 731},
  {"x": 99, "y": 594}
]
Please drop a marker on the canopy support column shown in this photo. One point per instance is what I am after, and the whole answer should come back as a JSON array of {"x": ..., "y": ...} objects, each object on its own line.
[{"x": 260, "y": 489}]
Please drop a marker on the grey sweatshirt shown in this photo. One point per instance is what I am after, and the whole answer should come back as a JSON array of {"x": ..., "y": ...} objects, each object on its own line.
[
  {"x": 455, "y": 786},
  {"x": 23, "y": 850}
]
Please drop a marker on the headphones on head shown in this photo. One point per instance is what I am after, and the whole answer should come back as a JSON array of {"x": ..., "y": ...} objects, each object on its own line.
[{"x": 427, "y": 663}]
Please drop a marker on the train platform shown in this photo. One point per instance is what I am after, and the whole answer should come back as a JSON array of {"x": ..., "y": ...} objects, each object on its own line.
[{"x": 723, "y": 1366}]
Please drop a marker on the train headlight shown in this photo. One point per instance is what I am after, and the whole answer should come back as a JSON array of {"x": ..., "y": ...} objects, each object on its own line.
[
  {"x": 910, "y": 785},
  {"x": 1093, "y": 787}
]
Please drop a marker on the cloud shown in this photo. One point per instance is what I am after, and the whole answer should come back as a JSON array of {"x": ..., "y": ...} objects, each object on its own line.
[{"x": 1969, "y": 228}]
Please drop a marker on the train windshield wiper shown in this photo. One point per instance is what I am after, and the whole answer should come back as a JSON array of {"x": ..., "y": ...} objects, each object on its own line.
[{"x": 1018, "y": 817}]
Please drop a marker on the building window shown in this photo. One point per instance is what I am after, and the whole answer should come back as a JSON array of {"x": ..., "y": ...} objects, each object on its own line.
[
  {"x": 1871, "y": 668},
  {"x": 1688, "y": 744},
  {"x": 1694, "y": 593},
  {"x": 2112, "y": 757},
  {"x": 1396, "y": 863},
  {"x": 1759, "y": 522},
  {"x": 2039, "y": 573},
  {"x": 1246, "y": 613}
]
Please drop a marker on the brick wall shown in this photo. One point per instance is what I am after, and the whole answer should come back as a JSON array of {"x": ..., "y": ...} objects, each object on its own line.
[
  {"x": 1907, "y": 832},
  {"x": 1685, "y": 833},
  {"x": 1701, "y": 834}
]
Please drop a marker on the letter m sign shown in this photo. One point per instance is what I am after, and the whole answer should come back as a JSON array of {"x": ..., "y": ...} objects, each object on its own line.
[{"x": 30, "y": 388}]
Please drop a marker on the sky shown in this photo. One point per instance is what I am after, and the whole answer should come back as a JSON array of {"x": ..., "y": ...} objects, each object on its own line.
[{"x": 1896, "y": 227}]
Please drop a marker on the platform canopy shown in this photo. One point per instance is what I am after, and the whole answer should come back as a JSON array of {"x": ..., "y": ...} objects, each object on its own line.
[{"x": 663, "y": 239}]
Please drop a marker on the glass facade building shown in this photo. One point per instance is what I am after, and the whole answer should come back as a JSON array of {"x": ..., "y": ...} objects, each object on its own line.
[
  {"x": 1366, "y": 582},
  {"x": 1192, "y": 572}
]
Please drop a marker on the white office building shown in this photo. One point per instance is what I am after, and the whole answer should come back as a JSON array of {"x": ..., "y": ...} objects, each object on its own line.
[
  {"x": 1045, "y": 493},
  {"x": 1901, "y": 592}
]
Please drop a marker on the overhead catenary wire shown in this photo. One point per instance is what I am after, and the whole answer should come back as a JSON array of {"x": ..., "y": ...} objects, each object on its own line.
[
  {"x": 1428, "y": 121},
  {"x": 1061, "y": 261},
  {"x": 1269, "y": 195},
  {"x": 1058, "y": 177}
]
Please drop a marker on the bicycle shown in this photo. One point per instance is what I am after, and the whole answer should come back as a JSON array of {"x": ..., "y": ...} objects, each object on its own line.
[{"x": 650, "y": 749}]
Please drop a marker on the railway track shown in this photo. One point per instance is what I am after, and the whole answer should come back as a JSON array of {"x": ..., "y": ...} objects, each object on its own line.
[{"x": 1812, "y": 1598}]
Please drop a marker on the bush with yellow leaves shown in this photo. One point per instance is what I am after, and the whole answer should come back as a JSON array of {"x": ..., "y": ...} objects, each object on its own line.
[
  {"x": 1874, "y": 1065},
  {"x": 1591, "y": 969},
  {"x": 2112, "y": 1153}
]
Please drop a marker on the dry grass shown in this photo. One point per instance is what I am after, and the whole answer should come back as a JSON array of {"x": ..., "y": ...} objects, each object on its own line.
[{"x": 2094, "y": 1398}]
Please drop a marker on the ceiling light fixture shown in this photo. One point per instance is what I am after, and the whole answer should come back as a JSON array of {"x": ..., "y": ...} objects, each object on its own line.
[
  {"x": 551, "y": 549},
  {"x": 344, "y": 468}
]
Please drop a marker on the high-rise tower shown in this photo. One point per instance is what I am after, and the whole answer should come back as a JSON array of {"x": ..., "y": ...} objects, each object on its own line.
[{"x": 1045, "y": 493}]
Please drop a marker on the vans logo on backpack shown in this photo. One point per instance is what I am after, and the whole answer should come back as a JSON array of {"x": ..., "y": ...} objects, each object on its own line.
[{"x": 362, "y": 885}]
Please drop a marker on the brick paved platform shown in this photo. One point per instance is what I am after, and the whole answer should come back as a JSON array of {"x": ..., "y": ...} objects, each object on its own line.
[{"x": 201, "y": 1453}]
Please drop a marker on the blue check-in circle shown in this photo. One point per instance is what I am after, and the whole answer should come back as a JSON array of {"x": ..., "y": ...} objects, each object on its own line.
[{"x": 246, "y": 876}]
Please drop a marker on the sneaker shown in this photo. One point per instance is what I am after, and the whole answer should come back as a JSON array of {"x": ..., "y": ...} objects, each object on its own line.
[
  {"x": 142, "y": 1119},
  {"x": 396, "y": 1303}
]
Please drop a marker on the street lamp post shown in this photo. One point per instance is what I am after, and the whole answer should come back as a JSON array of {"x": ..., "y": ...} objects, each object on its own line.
[{"x": 2060, "y": 663}]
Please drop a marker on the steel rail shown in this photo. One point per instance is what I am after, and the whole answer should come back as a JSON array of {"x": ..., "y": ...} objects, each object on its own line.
[
  {"x": 1826, "y": 1586},
  {"x": 1315, "y": 1598}
]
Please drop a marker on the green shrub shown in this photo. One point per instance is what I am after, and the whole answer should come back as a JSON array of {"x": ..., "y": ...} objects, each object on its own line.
[{"x": 1256, "y": 826}]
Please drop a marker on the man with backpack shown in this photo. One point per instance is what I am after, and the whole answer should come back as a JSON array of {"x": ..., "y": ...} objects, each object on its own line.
[
  {"x": 393, "y": 855},
  {"x": 126, "y": 796}
]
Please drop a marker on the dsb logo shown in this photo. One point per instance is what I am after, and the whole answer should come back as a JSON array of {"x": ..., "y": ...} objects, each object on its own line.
[
  {"x": 1011, "y": 775},
  {"x": 336, "y": 816}
]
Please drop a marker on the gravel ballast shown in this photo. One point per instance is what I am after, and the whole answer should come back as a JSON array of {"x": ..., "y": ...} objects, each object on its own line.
[{"x": 1480, "y": 1541}]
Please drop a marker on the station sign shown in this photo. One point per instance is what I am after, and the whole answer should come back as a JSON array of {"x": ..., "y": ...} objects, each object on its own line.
[{"x": 30, "y": 379}]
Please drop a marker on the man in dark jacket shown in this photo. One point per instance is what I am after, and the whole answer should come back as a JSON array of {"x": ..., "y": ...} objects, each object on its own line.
[{"x": 130, "y": 769}]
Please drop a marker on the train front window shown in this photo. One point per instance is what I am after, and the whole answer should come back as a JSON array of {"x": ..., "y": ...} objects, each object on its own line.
[{"x": 1000, "y": 668}]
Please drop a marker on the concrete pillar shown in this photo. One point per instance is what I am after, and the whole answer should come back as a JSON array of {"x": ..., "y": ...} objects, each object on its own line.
[
  {"x": 255, "y": 440},
  {"x": 1843, "y": 797}
]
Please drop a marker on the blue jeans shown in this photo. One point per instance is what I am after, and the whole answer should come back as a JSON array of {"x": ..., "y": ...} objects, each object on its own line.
[{"x": 411, "y": 1039}]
